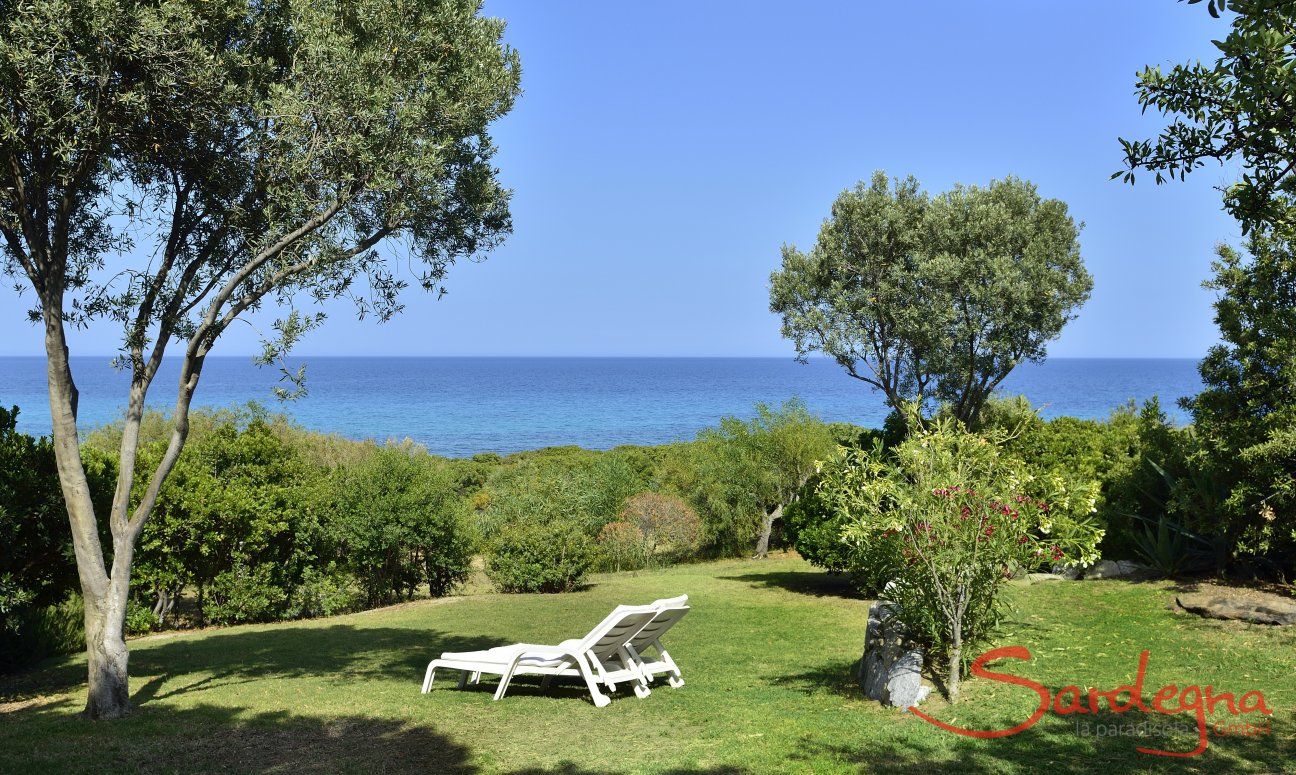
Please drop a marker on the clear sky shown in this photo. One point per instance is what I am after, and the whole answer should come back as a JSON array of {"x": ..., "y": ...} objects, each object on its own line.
[{"x": 661, "y": 153}]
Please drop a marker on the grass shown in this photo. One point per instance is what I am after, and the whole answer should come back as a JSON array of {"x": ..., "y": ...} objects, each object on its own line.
[{"x": 767, "y": 655}]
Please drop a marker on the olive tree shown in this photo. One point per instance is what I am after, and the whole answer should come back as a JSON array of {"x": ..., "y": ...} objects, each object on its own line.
[
  {"x": 934, "y": 298},
  {"x": 173, "y": 165}
]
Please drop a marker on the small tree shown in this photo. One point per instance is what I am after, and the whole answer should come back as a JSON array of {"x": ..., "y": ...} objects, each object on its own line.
[
  {"x": 1245, "y": 417},
  {"x": 947, "y": 517},
  {"x": 747, "y": 472},
  {"x": 212, "y": 158},
  {"x": 939, "y": 297}
]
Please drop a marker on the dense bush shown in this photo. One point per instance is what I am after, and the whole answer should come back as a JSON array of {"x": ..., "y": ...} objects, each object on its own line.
[
  {"x": 37, "y": 572},
  {"x": 232, "y": 524},
  {"x": 398, "y": 522},
  {"x": 944, "y": 519},
  {"x": 535, "y": 556},
  {"x": 568, "y": 484},
  {"x": 621, "y": 546},
  {"x": 670, "y": 528}
]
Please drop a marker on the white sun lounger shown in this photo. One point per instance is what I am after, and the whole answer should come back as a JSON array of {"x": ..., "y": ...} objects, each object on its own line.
[
  {"x": 604, "y": 656},
  {"x": 669, "y": 612},
  {"x": 599, "y": 658}
]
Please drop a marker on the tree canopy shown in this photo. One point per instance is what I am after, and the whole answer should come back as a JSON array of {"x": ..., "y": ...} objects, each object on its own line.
[
  {"x": 172, "y": 165},
  {"x": 934, "y": 298},
  {"x": 1240, "y": 107}
]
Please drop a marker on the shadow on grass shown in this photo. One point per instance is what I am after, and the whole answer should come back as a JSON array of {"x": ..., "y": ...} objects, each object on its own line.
[
  {"x": 209, "y": 738},
  {"x": 1073, "y": 744},
  {"x": 342, "y": 652},
  {"x": 219, "y": 739},
  {"x": 814, "y": 583},
  {"x": 1056, "y": 745}
]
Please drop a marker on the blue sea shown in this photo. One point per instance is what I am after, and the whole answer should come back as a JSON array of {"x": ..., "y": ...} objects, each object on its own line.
[{"x": 460, "y": 406}]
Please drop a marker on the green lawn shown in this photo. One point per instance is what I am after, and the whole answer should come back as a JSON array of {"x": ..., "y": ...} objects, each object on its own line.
[{"x": 767, "y": 654}]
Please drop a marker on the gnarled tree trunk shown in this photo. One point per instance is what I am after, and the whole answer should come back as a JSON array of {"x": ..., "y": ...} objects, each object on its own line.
[{"x": 767, "y": 527}]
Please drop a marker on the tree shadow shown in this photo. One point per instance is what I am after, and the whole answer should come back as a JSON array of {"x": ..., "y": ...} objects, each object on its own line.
[
  {"x": 342, "y": 652},
  {"x": 1110, "y": 742},
  {"x": 220, "y": 739},
  {"x": 813, "y": 583},
  {"x": 210, "y": 738}
]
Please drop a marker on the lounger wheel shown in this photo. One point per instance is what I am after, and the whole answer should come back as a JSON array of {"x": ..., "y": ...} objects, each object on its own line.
[{"x": 675, "y": 682}]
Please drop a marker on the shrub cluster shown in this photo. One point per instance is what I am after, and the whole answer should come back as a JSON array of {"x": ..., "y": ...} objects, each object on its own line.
[{"x": 938, "y": 523}]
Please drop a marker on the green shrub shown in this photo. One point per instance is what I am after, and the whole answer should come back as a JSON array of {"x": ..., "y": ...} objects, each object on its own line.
[
  {"x": 246, "y": 594},
  {"x": 398, "y": 523},
  {"x": 947, "y": 517},
  {"x": 621, "y": 546},
  {"x": 533, "y": 556},
  {"x": 140, "y": 618},
  {"x": 37, "y": 569},
  {"x": 43, "y": 631},
  {"x": 233, "y": 513},
  {"x": 323, "y": 592},
  {"x": 670, "y": 529},
  {"x": 816, "y": 530}
]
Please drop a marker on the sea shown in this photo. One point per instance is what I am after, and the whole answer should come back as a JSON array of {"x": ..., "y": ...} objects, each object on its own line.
[{"x": 461, "y": 406}]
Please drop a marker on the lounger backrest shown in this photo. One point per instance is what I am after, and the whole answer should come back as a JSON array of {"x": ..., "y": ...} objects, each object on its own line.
[
  {"x": 617, "y": 630},
  {"x": 664, "y": 619}
]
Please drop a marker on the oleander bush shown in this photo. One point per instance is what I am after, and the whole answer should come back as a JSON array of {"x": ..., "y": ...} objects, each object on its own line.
[{"x": 946, "y": 518}]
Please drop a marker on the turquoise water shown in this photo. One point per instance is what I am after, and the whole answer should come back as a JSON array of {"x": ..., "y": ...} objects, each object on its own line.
[{"x": 459, "y": 406}]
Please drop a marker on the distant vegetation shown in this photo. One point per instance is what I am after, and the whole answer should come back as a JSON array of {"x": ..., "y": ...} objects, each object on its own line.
[{"x": 263, "y": 520}]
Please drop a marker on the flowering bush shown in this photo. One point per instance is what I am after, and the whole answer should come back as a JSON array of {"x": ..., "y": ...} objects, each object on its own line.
[{"x": 946, "y": 517}]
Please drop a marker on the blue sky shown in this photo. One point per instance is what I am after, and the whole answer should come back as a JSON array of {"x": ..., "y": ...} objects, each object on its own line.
[{"x": 663, "y": 151}]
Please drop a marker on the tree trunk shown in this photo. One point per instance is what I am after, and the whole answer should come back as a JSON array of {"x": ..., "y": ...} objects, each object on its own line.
[
  {"x": 104, "y": 595},
  {"x": 106, "y": 656},
  {"x": 955, "y": 663},
  {"x": 767, "y": 527}
]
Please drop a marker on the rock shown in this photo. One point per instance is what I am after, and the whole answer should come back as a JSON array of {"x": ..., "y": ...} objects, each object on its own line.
[
  {"x": 1247, "y": 605},
  {"x": 1067, "y": 572},
  {"x": 1115, "y": 569},
  {"x": 890, "y": 670},
  {"x": 1035, "y": 578}
]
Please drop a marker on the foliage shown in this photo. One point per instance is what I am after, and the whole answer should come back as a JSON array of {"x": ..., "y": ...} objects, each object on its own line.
[
  {"x": 741, "y": 474},
  {"x": 233, "y": 514},
  {"x": 934, "y": 297},
  {"x": 1245, "y": 418},
  {"x": 947, "y": 517},
  {"x": 37, "y": 569},
  {"x": 1242, "y": 106},
  {"x": 621, "y": 546},
  {"x": 398, "y": 523},
  {"x": 816, "y": 529},
  {"x": 36, "y": 566},
  {"x": 669, "y": 527},
  {"x": 566, "y": 484},
  {"x": 535, "y": 556},
  {"x": 232, "y": 155}
]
